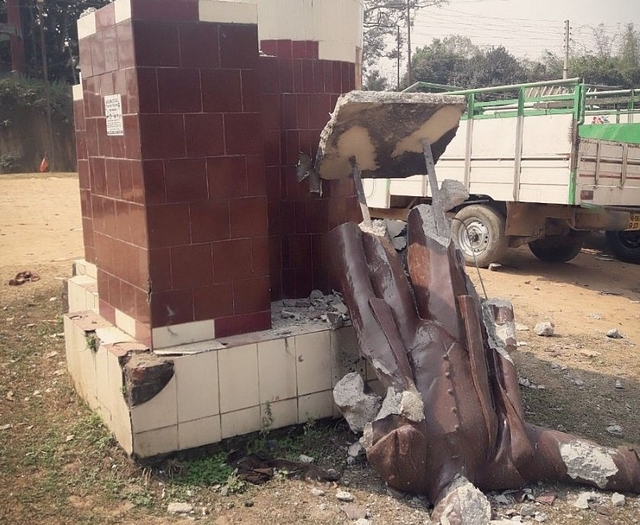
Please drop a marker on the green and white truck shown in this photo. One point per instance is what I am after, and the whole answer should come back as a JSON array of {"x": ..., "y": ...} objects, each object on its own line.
[{"x": 544, "y": 163}]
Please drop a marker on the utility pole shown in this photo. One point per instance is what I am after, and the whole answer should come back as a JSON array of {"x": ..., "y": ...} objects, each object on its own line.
[
  {"x": 409, "y": 71},
  {"x": 47, "y": 91},
  {"x": 399, "y": 55},
  {"x": 567, "y": 36}
]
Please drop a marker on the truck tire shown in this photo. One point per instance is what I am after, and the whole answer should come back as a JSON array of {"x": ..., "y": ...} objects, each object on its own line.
[
  {"x": 625, "y": 245},
  {"x": 557, "y": 248},
  {"x": 478, "y": 231}
]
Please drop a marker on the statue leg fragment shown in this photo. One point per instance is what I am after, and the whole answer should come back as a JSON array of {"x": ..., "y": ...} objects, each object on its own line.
[{"x": 567, "y": 458}]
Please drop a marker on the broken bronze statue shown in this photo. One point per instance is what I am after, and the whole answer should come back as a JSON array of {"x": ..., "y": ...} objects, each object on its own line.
[{"x": 452, "y": 414}]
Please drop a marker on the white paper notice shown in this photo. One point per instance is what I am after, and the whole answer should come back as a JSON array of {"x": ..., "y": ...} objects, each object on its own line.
[{"x": 113, "y": 112}]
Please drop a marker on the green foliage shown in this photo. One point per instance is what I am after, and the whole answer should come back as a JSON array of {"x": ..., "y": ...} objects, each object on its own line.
[
  {"x": 19, "y": 95},
  {"x": 382, "y": 18},
  {"x": 10, "y": 162},
  {"x": 212, "y": 470}
]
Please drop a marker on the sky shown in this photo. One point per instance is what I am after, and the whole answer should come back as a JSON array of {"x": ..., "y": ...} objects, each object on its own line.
[{"x": 525, "y": 27}]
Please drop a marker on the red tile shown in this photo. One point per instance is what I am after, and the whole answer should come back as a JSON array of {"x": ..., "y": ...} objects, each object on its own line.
[
  {"x": 154, "y": 185},
  {"x": 115, "y": 298},
  {"x": 317, "y": 216},
  {"x": 148, "y": 90},
  {"x": 318, "y": 76},
  {"x": 78, "y": 115},
  {"x": 248, "y": 217},
  {"x": 126, "y": 52},
  {"x": 199, "y": 45},
  {"x": 327, "y": 72},
  {"x": 268, "y": 73},
  {"x": 179, "y": 90},
  {"x": 270, "y": 107},
  {"x": 191, "y": 266},
  {"x": 160, "y": 270},
  {"x": 168, "y": 225},
  {"x": 298, "y": 76},
  {"x": 307, "y": 76},
  {"x": 137, "y": 177},
  {"x": 112, "y": 176},
  {"x": 123, "y": 221},
  {"x": 132, "y": 136},
  {"x": 304, "y": 281},
  {"x": 292, "y": 144},
  {"x": 274, "y": 213},
  {"x": 185, "y": 180},
  {"x": 125, "y": 179},
  {"x": 87, "y": 234},
  {"x": 309, "y": 142},
  {"x": 260, "y": 256},
  {"x": 105, "y": 17},
  {"x": 109, "y": 217},
  {"x": 272, "y": 178},
  {"x": 232, "y": 261},
  {"x": 104, "y": 253},
  {"x": 128, "y": 299},
  {"x": 133, "y": 99},
  {"x": 171, "y": 307},
  {"x": 299, "y": 48},
  {"x": 209, "y": 221},
  {"x": 119, "y": 145},
  {"x": 269, "y": 47},
  {"x": 284, "y": 49},
  {"x": 243, "y": 133},
  {"x": 336, "y": 77},
  {"x": 97, "y": 54},
  {"x": 243, "y": 324},
  {"x": 83, "y": 174},
  {"x": 110, "y": 47},
  {"x": 289, "y": 112},
  {"x": 107, "y": 311},
  {"x": 272, "y": 148},
  {"x": 348, "y": 76},
  {"x": 319, "y": 110},
  {"x": 156, "y": 43},
  {"x": 120, "y": 87},
  {"x": 85, "y": 204},
  {"x": 312, "y": 49},
  {"x": 84, "y": 51},
  {"x": 98, "y": 175},
  {"x": 142, "y": 313},
  {"x": 227, "y": 177},
  {"x": 184, "y": 10},
  {"x": 221, "y": 90},
  {"x": 285, "y": 75},
  {"x": 211, "y": 302},
  {"x": 287, "y": 216},
  {"x": 138, "y": 225},
  {"x": 103, "y": 284},
  {"x": 256, "y": 178},
  {"x": 253, "y": 295},
  {"x": 238, "y": 46},
  {"x": 204, "y": 135},
  {"x": 250, "y": 91},
  {"x": 162, "y": 136}
]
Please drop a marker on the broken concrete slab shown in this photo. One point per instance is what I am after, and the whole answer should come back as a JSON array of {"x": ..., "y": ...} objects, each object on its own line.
[
  {"x": 383, "y": 131},
  {"x": 357, "y": 406},
  {"x": 145, "y": 376}
]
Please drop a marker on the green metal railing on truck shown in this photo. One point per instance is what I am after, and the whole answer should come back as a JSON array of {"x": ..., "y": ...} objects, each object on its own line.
[{"x": 569, "y": 96}]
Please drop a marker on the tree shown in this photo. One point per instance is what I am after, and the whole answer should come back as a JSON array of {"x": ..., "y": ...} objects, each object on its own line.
[
  {"x": 446, "y": 61},
  {"x": 374, "y": 81},
  {"x": 60, "y": 33},
  {"x": 382, "y": 18}
]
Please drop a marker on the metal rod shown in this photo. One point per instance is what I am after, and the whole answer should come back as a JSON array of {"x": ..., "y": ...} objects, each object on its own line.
[
  {"x": 47, "y": 92},
  {"x": 362, "y": 199}
]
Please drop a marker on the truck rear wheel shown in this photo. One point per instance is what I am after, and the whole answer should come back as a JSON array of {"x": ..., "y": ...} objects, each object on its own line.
[
  {"x": 625, "y": 245},
  {"x": 479, "y": 233},
  {"x": 557, "y": 248}
]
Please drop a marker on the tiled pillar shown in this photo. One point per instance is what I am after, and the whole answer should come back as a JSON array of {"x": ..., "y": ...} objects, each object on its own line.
[
  {"x": 191, "y": 209},
  {"x": 178, "y": 201},
  {"x": 310, "y": 57}
]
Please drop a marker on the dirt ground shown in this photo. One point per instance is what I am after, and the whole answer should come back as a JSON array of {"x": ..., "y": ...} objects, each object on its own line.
[{"x": 58, "y": 465}]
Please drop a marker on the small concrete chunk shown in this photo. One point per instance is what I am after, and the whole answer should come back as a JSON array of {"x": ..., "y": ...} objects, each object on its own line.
[
  {"x": 357, "y": 406},
  {"x": 545, "y": 329},
  {"x": 317, "y": 492},
  {"x": 618, "y": 500},
  {"x": 588, "y": 462},
  {"x": 614, "y": 333},
  {"x": 342, "y": 495},
  {"x": 179, "y": 508}
]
